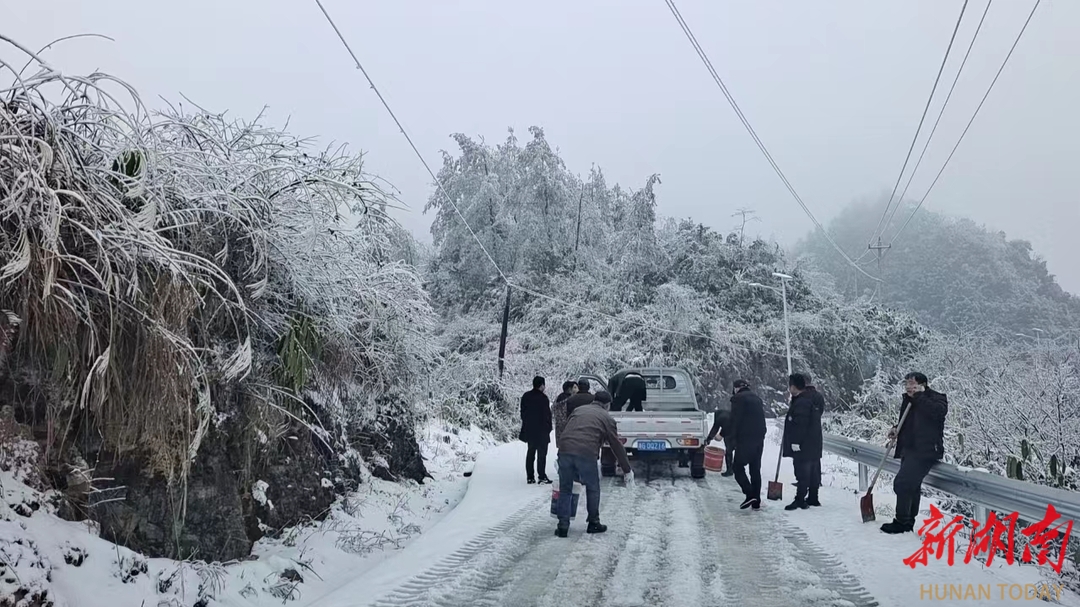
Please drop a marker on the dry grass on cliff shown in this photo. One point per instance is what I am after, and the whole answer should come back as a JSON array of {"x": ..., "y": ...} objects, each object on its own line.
[{"x": 148, "y": 260}]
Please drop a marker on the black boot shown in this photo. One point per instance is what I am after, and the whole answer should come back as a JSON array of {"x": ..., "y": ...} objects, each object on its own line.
[
  {"x": 532, "y": 481},
  {"x": 906, "y": 507},
  {"x": 813, "y": 499},
  {"x": 545, "y": 481},
  {"x": 729, "y": 472},
  {"x": 595, "y": 527},
  {"x": 896, "y": 527},
  {"x": 799, "y": 503},
  {"x": 562, "y": 531}
]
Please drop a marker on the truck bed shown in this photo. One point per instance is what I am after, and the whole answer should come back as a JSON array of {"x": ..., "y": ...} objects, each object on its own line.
[{"x": 679, "y": 429}]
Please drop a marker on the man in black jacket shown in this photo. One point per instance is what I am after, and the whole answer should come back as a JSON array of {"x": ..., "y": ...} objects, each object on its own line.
[
  {"x": 802, "y": 440},
  {"x": 920, "y": 444},
  {"x": 582, "y": 397},
  {"x": 536, "y": 430},
  {"x": 724, "y": 426},
  {"x": 627, "y": 387},
  {"x": 748, "y": 421}
]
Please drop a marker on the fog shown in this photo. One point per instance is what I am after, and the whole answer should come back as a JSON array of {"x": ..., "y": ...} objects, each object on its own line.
[{"x": 834, "y": 89}]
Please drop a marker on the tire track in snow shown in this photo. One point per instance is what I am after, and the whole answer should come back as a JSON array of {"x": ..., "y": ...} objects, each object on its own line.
[
  {"x": 685, "y": 581},
  {"x": 669, "y": 545},
  {"x": 630, "y": 580},
  {"x": 461, "y": 570},
  {"x": 773, "y": 564},
  {"x": 578, "y": 580}
]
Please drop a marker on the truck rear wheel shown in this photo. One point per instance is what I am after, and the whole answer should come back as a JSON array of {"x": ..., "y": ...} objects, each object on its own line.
[{"x": 697, "y": 464}]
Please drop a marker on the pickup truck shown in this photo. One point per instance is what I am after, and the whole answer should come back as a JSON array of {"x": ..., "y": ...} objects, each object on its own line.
[{"x": 671, "y": 426}]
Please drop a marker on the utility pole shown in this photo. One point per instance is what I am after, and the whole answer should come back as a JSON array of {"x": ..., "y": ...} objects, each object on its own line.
[
  {"x": 577, "y": 239},
  {"x": 879, "y": 249},
  {"x": 502, "y": 338},
  {"x": 744, "y": 213}
]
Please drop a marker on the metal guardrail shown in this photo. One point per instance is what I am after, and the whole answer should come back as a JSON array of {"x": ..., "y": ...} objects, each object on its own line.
[{"x": 985, "y": 490}]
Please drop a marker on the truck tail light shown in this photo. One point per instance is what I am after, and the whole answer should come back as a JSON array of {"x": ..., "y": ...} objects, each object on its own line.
[{"x": 688, "y": 442}]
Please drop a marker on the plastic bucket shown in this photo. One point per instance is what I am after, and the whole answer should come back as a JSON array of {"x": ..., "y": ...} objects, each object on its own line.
[
  {"x": 714, "y": 459},
  {"x": 573, "y": 502}
]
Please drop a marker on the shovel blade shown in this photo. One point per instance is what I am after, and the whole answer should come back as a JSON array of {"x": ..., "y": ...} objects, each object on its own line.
[
  {"x": 776, "y": 491},
  {"x": 866, "y": 507}
]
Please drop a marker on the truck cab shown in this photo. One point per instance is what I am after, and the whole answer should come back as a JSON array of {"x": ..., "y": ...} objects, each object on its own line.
[{"x": 671, "y": 426}]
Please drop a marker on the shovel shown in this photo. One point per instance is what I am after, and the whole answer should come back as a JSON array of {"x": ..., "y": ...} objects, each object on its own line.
[
  {"x": 776, "y": 488},
  {"x": 866, "y": 502}
]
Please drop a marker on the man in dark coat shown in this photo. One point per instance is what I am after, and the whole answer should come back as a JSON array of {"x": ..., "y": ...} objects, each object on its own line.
[
  {"x": 920, "y": 443},
  {"x": 627, "y": 387},
  {"x": 802, "y": 440},
  {"x": 536, "y": 430},
  {"x": 748, "y": 421},
  {"x": 583, "y": 397},
  {"x": 723, "y": 425}
]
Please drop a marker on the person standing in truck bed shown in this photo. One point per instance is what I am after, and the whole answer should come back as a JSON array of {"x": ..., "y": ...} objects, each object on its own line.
[
  {"x": 589, "y": 427},
  {"x": 627, "y": 387}
]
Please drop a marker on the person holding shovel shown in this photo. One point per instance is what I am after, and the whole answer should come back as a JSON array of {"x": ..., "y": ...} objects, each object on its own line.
[
  {"x": 920, "y": 443},
  {"x": 803, "y": 440}
]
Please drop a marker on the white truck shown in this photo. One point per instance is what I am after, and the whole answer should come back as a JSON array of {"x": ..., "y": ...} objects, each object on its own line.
[{"x": 671, "y": 426}]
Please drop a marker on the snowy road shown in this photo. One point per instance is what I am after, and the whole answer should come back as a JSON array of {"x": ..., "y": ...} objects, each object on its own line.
[{"x": 673, "y": 541}]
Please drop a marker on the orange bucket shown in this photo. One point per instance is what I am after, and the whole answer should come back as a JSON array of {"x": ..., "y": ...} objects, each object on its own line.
[{"x": 714, "y": 459}]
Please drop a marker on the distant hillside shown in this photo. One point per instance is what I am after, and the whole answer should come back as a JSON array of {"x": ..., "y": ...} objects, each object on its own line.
[{"x": 953, "y": 273}]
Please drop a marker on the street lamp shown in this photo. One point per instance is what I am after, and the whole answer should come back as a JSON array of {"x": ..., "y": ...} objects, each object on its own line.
[{"x": 783, "y": 292}]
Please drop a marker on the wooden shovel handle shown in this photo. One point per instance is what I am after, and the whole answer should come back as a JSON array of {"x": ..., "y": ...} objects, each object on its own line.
[{"x": 877, "y": 473}]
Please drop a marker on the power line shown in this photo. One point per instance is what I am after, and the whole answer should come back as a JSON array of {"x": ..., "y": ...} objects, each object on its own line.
[
  {"x": 723, "y": 88},
  {"x": 409, "y": 139},
  {"x": 938, "y": 121},
  {"x": 987, "y": 94},
  {"x": 502, "y": 275},
  {"x": 922, "y": 119}
]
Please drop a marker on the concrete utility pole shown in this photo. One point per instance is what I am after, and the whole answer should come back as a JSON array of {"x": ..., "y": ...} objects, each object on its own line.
[{"x": 879, "y": 249}]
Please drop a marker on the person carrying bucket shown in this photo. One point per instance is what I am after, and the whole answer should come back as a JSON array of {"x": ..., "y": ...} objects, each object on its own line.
[
  {"x": 748, "y": 419},
  {"x": 722, "y": 425},
  {"x": 590, "y": 426}
]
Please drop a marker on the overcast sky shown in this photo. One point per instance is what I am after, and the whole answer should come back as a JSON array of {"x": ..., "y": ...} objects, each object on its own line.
[{"x": 834, "y": 89}]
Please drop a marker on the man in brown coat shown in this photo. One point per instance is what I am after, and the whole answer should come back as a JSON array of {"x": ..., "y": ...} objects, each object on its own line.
[{"x": 589, "y": 427}]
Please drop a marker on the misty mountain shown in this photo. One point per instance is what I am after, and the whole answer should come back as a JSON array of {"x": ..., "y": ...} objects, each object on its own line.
[{"x": 951, "y": 272}]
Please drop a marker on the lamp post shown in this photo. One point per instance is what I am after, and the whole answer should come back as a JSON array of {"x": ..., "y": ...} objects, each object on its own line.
[{"x": 783, "y": 293}]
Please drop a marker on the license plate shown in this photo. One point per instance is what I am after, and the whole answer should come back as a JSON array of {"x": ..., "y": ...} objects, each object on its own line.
[{"x": 651, "y": 445}]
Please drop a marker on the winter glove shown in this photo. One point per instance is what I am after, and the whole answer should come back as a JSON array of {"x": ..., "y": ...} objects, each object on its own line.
[
  {"x": 795, "y": 448},
  {"x": 892, "y": 433},
  {"x": 629, "y": 478}
]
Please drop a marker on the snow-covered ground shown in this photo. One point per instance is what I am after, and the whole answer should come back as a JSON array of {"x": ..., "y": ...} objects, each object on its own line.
[
  {"x": 41, "y": 553},
  {"x": 488, "y": 540},
  {"x": 673, "y": 541}
]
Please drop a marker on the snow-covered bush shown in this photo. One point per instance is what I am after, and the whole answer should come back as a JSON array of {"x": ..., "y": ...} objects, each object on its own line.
[{"x": 155, "y": 265}]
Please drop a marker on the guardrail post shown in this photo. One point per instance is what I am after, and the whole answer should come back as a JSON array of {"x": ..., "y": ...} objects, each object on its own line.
[
  {"x": 864, "y": 477},
  {"x": 981, "y": 513}
]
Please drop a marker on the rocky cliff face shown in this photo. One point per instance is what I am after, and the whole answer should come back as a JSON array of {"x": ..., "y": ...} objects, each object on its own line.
[{"x": 239, "y": 488}]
